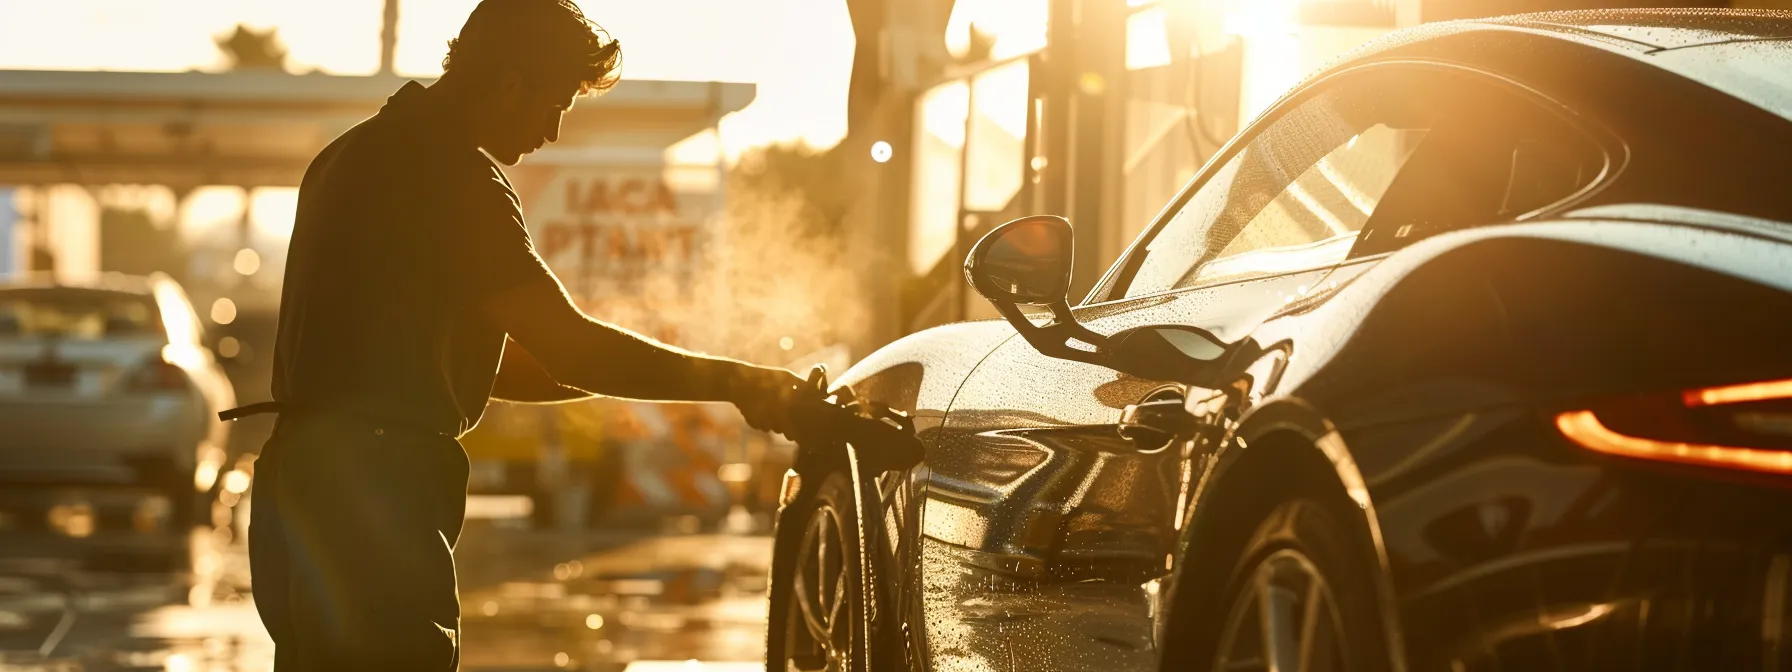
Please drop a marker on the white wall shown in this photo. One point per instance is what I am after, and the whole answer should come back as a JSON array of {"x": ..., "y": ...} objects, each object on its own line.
[{"x": 71, "y": 225}]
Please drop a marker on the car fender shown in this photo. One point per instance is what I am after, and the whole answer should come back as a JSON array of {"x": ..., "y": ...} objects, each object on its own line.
[
  {"x": 1290, "y": 415},
  {"x": 921, "y": 373}
]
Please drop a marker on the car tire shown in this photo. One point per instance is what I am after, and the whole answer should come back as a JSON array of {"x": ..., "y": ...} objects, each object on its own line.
[
  {"x": 1300, "y": 596},
  {"x": 816, "y": 610}
]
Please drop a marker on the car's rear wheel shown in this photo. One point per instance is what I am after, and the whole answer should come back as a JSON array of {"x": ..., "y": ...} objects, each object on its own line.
[
  {"x": 1299, "y": 598},
  {"x": 1284, "y": 618},
  {"x": 817, "y": 599}
]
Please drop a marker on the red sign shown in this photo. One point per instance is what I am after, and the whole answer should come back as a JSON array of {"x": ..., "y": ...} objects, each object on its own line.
[
  {"x": 623, "y": 239},
  {"x": 601, "y": 242},
  {"x": 590, "y": 222},
  {"x": 629, "y": 196}
]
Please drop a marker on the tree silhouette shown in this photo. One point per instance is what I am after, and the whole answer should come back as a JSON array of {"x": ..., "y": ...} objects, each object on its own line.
[{"x": 249, "y": 49}]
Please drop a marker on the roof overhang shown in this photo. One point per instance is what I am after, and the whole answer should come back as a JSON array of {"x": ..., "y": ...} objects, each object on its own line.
[{"x": 186, "y": 129}]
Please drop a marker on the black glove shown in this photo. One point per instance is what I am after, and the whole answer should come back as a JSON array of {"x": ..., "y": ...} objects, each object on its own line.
[{"x": 765, "y": 395}]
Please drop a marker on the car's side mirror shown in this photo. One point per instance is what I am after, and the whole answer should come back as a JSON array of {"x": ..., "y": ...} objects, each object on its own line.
[{"x": 1026, "y": 262}]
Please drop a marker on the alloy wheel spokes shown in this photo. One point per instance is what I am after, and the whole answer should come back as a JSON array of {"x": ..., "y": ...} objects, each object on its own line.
[
  {"x": 1278, "y": 613},
  {"x": 820, "y": 593},
  {"x": 1318, "y": 634},
  {"x": 1287, "y": 620},
  {"x": 809, "y": 588}
]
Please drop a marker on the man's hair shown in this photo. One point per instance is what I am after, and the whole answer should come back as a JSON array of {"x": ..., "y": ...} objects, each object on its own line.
[{"x": 545, "y": 38}]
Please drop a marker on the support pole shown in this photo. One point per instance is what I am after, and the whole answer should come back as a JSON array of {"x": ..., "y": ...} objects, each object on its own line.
[{"x": 389, "y": 38}]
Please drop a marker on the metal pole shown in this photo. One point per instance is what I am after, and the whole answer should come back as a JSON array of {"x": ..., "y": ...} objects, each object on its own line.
[{"x": 389, "y": 37}]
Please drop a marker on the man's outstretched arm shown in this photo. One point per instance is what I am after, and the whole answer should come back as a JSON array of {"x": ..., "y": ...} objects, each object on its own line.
[
  {"x": 487, "y": 254},
  {"x": 522, "y": 380},
  {"x": 583, "y": 353}
]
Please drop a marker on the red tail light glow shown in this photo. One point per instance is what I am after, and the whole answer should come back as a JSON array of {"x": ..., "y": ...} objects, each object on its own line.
[
  {"x": 1735, "y": 394},
  {"x": 1746, "y": 427},
  {"x": 1585, "y": 429}
]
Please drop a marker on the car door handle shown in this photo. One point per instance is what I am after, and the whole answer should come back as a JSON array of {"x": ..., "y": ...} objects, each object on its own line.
[{"x": 1153, "y": 424}]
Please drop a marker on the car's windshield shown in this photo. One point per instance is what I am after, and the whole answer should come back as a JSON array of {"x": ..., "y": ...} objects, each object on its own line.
[
  {"x": 78, "y": 314},
  {"x": 1757, "y": 71}
]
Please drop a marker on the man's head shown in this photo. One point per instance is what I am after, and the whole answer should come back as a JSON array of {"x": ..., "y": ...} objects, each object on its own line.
[{"x": 522, "y": 62}]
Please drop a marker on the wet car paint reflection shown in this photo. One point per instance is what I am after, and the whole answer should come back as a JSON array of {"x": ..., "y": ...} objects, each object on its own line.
[{"x": 985, "y": 620}]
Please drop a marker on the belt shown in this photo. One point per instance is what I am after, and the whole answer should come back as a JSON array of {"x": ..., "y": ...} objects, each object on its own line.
[
  {"x": 241, "y": 412},
  {"x": 378, "y": 423}
]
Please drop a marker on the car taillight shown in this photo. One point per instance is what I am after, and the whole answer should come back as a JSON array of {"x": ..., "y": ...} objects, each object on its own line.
[
  {"x": 158, "y": 375},
  {"x": 1746, "y": 426}
]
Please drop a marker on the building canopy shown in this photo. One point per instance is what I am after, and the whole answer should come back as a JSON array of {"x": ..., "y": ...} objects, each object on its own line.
[{"x": 261, "y": 129}]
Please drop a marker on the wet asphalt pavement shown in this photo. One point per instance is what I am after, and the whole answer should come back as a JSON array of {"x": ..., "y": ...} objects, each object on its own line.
[{"x": 531, "y": 600}]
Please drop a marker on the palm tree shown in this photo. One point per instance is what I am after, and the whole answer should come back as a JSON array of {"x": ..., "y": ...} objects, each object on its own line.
[{"x": 249, "y": 49}]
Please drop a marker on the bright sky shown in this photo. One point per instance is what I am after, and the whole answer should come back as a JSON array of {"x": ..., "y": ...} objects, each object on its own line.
[{"x": 799, "y": 52}]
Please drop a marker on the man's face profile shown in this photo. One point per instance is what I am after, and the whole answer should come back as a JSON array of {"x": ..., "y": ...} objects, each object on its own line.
[
  {"x": 525, "y": 116},
  {"x": 519, "y": 64}
]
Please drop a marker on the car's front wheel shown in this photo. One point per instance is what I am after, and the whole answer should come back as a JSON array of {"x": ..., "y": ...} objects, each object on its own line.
[{"x": 816, "y": 596}]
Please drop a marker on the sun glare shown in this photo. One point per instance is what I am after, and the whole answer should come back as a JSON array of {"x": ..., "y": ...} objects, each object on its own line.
[{"x": 1014, "y": 27}]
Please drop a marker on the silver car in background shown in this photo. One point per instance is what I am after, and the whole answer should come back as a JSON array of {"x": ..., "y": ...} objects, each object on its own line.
[{"x": 108, "y": 412}]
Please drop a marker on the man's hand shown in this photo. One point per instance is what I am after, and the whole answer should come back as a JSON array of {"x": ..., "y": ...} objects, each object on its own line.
[{"x": 764, "y": 396}]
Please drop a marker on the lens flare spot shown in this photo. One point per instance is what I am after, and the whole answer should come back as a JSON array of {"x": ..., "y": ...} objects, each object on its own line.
[
  {"x": 236, "y": 482},
  {"x": 247, "y": 261},
  {"x": 223, "y": 311}
]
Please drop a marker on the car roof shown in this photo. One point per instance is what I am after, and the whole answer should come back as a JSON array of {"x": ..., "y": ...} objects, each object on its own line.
[
  {"x": 1635, "y": 32},
  {"x": 102, "y": 282},
  {"x": 1659, "y": 29},
  {"x": 1746, "y": 54}
]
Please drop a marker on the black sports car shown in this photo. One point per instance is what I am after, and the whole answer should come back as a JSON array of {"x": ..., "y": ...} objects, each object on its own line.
[{"x": 1474, "y": 352}]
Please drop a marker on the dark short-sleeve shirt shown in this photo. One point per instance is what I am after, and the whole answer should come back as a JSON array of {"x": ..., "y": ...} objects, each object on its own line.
[{"x": 403, "y": 228}]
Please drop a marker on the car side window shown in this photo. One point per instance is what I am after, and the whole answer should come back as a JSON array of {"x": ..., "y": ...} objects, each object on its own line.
[
  {"x": 1496, "y": 156},
  {"x": 1298, "y": 194},
  {"x": 1374, "y": 161}
]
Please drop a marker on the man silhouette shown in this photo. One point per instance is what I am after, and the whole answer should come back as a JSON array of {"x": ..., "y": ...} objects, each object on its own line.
[{"x": 412, "y": 295}]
